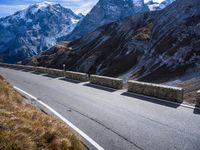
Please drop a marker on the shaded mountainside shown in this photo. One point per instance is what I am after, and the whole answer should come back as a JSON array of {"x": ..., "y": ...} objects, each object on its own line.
[
  {"x": 152, "y": 46},
  {"x": 33, "y": 30}
]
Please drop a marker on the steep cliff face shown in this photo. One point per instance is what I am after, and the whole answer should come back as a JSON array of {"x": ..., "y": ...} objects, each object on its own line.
[
  {"x": 30, "y": 31},
  {"x": 106, "y": 11},
  {"x": 152, "y": 46}
]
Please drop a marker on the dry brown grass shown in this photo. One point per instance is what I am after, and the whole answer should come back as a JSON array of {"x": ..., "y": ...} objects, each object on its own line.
[
  {"x": 60, "y": 46},
  {"x": 22, "y": 126},
  {"x": 144, "y": 33}
]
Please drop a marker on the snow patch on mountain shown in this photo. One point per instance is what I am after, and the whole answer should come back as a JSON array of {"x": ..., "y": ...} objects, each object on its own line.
[{"x": 154, "y": 5}]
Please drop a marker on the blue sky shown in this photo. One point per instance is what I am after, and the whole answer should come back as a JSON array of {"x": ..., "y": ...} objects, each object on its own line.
[{"x": 8, "y": 7}]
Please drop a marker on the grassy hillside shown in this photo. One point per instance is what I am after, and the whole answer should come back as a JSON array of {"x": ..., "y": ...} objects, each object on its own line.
[{"x": 22, "y": 126}]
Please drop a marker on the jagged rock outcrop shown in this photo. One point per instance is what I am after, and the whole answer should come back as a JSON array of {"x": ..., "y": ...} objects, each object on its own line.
[{"x": 106, "y": 11}]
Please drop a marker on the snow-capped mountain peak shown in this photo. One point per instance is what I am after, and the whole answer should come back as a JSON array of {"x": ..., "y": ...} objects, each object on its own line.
[
  {"x": 39, "y": 6},
  {"x": 35, "y": 29},
  {"x": 46, "y": 6},
  {"x": 43, "y": 4}
]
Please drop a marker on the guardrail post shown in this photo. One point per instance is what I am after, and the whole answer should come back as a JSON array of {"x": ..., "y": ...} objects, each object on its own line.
[
  {"x": 198, "y": 98},
  {"x": 64, "y": 69}
]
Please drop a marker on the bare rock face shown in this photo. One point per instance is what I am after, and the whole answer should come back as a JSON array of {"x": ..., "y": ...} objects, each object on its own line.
[
  {"x": 106, "y": 11},
  {"x": 152, "y": 46}
]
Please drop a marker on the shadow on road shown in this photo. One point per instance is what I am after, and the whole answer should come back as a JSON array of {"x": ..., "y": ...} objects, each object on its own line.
[
  {"x": 26, "y": 70},
  {"x": 50, "y": 76},
  {"x": 152, "y": 100},
  {"x": 196, "y": 110},
  {"x": 15, "y": 68},
  {"x": 37, "y": 73},
  {"x": 70, "y": 80},
  {"x": 100, "y": 87}
]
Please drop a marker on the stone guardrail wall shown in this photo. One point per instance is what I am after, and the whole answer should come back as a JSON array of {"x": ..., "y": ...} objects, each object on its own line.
[
  {"x": 40, "y": 69},
  {"x": 56, "y": 72},
  {"x": 31, "y": 68},
  {"x": 16, "y": 66},
  {"x": 107, "y": 81},
  {"x": 76, "y": 76},
  {"x": 5, "y": 65},
  {"x": 156, "y": 90},
  {"x": 198, "y": 98}
]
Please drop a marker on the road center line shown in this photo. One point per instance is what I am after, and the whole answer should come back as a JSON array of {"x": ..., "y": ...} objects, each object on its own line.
[{"x": 85, "y": 136}]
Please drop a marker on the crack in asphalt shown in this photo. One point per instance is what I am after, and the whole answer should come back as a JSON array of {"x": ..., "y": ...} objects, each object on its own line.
[
  {"x": 154, "y": 121},
  {"x": 69, "y": 109}
]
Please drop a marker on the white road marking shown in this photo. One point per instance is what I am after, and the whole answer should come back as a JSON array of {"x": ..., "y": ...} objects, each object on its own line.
[{"x": 90, "y": 140}]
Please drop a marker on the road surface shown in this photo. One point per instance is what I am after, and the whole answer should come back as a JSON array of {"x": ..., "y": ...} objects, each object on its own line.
[{"x": 116, "y": 120}]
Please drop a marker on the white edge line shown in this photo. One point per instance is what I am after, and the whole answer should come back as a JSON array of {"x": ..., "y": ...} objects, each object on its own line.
[{"x": 90, "y": 140}]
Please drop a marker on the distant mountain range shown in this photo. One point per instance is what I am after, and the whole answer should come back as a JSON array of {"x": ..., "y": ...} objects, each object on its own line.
[
  {"x": 153, "y": 46},
  {"x": 33, "y": 30},
  {"x": 42, "y": 25}
]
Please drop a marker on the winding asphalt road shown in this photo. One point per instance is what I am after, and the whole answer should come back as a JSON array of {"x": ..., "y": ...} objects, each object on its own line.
[{"x": 116, "y": 120}]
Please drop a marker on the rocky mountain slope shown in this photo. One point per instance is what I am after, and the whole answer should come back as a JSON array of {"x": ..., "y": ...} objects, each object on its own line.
[
  {"x": 30, "y": 31},
  {"x": 152, "y": 46},
  {"x": 106, "y": 11}
]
